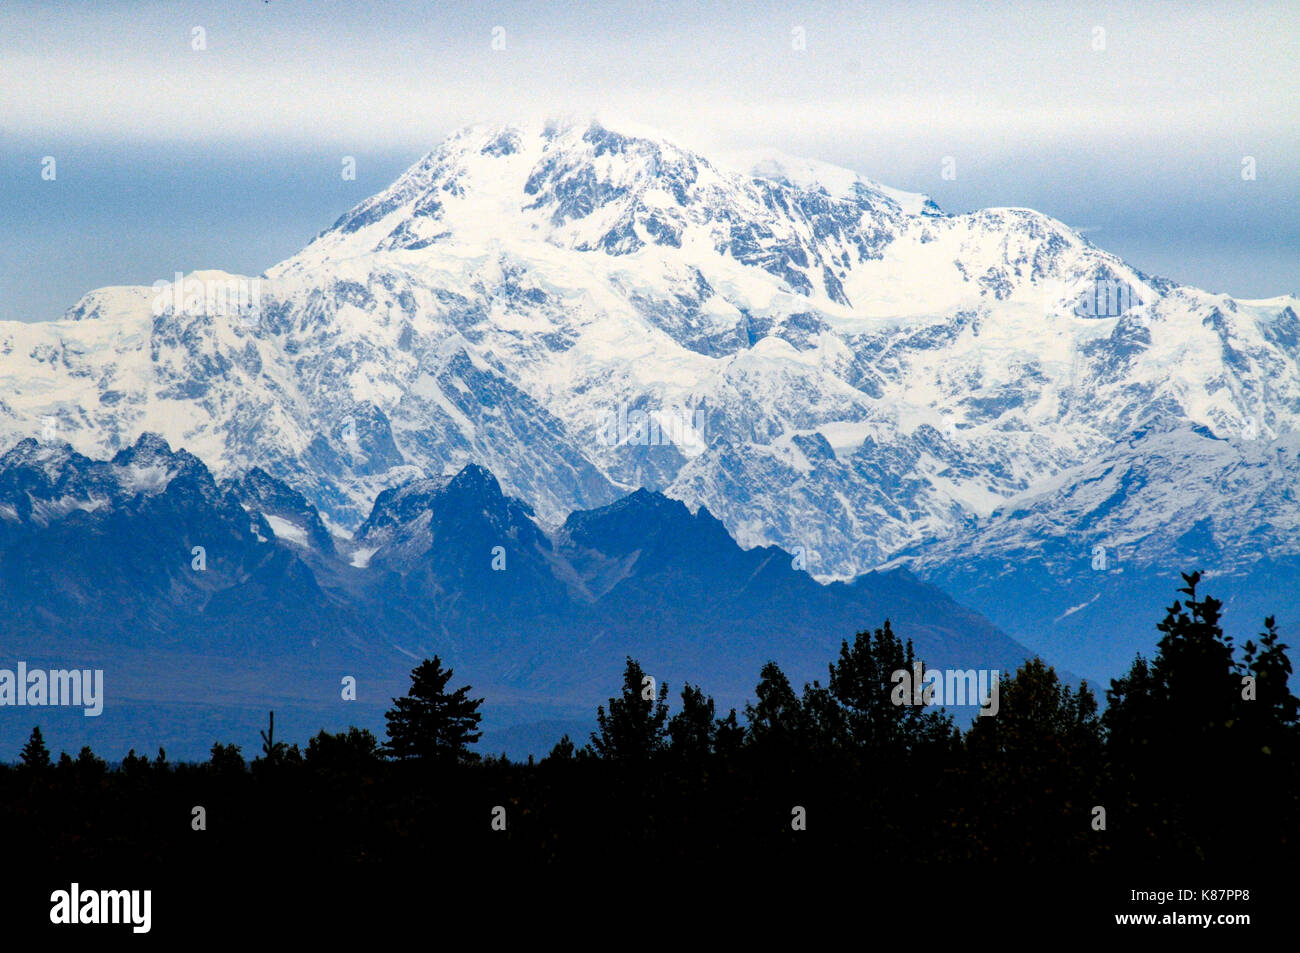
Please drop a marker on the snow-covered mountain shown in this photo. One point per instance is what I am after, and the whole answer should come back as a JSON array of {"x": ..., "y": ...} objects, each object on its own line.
[
  {"x": 208, "y": 602},
  {"x": 825, "y": 363},
  {"x": 1082, "y": 566}
]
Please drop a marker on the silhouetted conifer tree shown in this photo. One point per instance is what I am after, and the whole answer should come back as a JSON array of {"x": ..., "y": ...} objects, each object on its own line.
[
  {"x": 353, "y": 751},
  {"x": 728, "y": 735},
  {"x": 430, "y": 724},
  {"x": 1186, "y": 743},
  {"x": 634, "y": 730},
  {"x": 135, "y": 766},
  {"x": 226, "y": 759},
  {"x": 563, "y": 750},
  {"x": 90, "y": 768},
  {"x": 1272, "y": 715},
  {"x": 1032, "y": 769},
  {"x": 862, "y": 683},
  {"x": 776, "y": 719},
  {"x": 35, "y": 756},
  {"x": 693, "y": 729}
]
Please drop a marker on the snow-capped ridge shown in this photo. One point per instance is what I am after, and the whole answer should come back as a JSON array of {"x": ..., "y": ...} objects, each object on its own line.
[
  {"x": 836, "y": 181},
  {"x": 544, "y": 300}
]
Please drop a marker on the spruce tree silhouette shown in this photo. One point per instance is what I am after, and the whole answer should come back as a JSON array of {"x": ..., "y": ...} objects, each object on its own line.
[
  {"x": 90, "y": 769},
  {"x": 563, "y": 750},
  {"x": 1269, "y": 731},
  {"x": 134, "y": 766},
  {"x": 634, "y": 730},
  {"x": 776, "y": 719},
  {"x": 1186, "y": 741},
  {"x": 430, "y": 725},
  {"x": 352, "y": 752},
  {"x": 728, "y": 735},
  {"x": 1033, "y": 768},
  {"x": 1274, "y": 715},
  {"x": 35, "y": 756},
  {"x": 862, "y": 683},
  {"x": 693, "y": 729},
  {"x": 226, "y": 759}
]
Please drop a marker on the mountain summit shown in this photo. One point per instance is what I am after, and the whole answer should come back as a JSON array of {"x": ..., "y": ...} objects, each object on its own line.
[{"x": 825, "y": 363}]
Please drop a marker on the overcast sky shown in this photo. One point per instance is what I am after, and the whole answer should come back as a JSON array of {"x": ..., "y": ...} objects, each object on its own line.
[{"x": 1128, "y": 121}]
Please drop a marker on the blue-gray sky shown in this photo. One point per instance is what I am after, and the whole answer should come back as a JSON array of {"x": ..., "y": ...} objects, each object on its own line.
[{"x": 1128, "y": 121}]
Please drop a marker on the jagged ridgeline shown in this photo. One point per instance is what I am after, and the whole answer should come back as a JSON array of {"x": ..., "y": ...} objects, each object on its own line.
[{"x": 219, "y": 599}]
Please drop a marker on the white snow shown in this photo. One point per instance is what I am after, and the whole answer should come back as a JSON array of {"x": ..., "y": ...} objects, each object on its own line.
[
  {"x": 286, "y": 530},
  {"x": 510, "y": 338},
  {"x": 361, "y": 556}
]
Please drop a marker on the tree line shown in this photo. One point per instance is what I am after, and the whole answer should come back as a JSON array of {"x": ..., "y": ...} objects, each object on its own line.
[{"x": 1195, "y": 757}]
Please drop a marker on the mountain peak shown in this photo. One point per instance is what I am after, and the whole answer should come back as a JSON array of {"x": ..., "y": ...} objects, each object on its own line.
[
  {"x": 24, "y": 451},
  {"x": 151, "y": 452},
  {"x": 812, "y": 175},
  {"x": 589, "y": 187},
  {"x": 476, "y": 480},
  {"x": 147, "y": 446},
  {"x": 648, "y": 520},
  {"x": 473, "y": 487}
]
